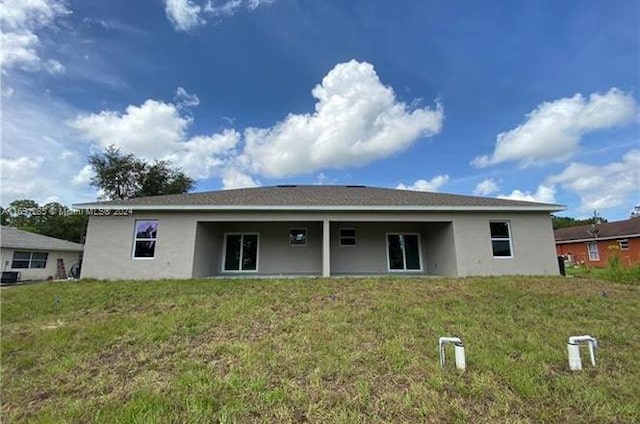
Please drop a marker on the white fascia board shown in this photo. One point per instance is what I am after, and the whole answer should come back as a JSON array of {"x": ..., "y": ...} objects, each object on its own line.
[
  {"x": 212, "y": 208},
  {"x": 592, "y": 239}
]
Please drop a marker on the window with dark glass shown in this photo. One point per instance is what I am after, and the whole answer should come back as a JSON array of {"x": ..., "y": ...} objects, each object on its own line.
[
  {"x": 23, "y": 260},
  {"x": 298, "y": 237},
  {"x": 146, "y": 234},
  {"x": 347, "y": 237},
  {"x": 241, "y": 252},
  {"x": 623, "y": 244},
  {"x": 404, "y": 252},
  {"x": 500, "y": 239}
]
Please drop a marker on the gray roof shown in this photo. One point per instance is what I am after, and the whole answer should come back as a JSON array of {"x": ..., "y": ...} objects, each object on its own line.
[
  {"x": 17, "y": 239},
  {"x": 320, "y": 197}
]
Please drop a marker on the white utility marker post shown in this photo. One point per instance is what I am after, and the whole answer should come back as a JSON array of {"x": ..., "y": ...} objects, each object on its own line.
[
  {"x": 458, "y": 347},
  {"x": 573, "y": 349}
]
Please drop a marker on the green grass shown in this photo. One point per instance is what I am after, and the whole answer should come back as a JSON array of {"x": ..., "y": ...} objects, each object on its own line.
[
  {"x": 615, "y": 273},
  {"x": 315, "y": 350}
]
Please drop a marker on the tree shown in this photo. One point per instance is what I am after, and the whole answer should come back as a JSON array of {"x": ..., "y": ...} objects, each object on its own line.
[
  {"x": 52, "y": 219},
  {"x": 116, "y": 174},
  {"x": 123, "y": 176},
  {"x": 566, "y": 221}
]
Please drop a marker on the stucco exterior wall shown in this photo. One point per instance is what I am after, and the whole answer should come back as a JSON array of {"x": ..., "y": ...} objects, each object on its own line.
[
  {"x": 189, "y": 244},
  {"x": 532, "y": 241},
  {"x": 51, "y": 270},
  {"x": 109, "y": 247}
]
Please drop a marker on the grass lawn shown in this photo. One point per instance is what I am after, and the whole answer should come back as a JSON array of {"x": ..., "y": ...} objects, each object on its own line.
[{"x": 316, "y": 350}]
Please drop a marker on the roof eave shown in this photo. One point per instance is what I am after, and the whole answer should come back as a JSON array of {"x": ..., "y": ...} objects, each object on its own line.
[{"x": 102, "y": 209}]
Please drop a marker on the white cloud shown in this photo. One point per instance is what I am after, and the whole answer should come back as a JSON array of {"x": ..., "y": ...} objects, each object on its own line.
[
  {"x": 433, "y": 184},
  {"x": 356, "y": 121},
  {"x": 603, "y": 187},
  {"x": 21, "y": 20},
  {"x": 83, "y": 178},
  {"x": 55, "y": 68},
  {"x": 18, "y": 176},
  {"x": 233, "y": 178},
  {"x": 186, "y": 15},
  {"x": 183, "y": 14},
  {"x": 554, "y": 129},
  {"x": 148, "y": 130},
  {"x": 157, "y": 130},
  {"x": 543, "y": 194},
  {"x": 486, "y": 187},
  {"x": 182, "y": 99}
]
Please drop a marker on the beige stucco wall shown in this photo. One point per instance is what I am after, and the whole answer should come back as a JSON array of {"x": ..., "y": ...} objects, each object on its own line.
[
  {"x": 190, "y": 244},
  {"x": 51, "y": 270},
  {"x": 532, "y": 241},
  {"x": 109, "y": 248}
]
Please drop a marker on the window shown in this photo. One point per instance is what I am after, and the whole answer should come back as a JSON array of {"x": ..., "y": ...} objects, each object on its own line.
[
  {"x": 500, "y": 239},
  {"x": 592, "y": 248},
  {"x": 347, "y": 237},
  {"x": 298, "y": 237},
  {"x": 403, "y": 251},
  {"x": 144, "y": 245},
  {"x": 23, "y": 260},
  {"x": 241, "y": 252},
  {"x": 623, "y": 244}
]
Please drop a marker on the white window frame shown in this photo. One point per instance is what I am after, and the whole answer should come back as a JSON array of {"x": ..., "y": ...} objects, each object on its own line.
[
  {"x": 405, "y": 270},
  {"x": 592, "y": 257},
  {"x": 135, "y": 239},
  {"x": 354, "y": 237},
  {"x": 224, "y": 253},
  {"x": 510, "y": 238},
  {"x": 306, "y": 236},
  {"x": 625, "y": 242}
]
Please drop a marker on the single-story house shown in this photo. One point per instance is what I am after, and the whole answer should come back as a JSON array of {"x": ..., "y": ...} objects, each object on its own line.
[
  {"x": 30, "y": 256},
  {"x": 316, "y": 230},
  {"x": 593, "y": 244}
]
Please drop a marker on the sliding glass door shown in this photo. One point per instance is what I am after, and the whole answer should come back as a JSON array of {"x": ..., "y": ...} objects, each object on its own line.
[
  {"x": 404, "y": 252},
  {"x": 241, "y": 252}
]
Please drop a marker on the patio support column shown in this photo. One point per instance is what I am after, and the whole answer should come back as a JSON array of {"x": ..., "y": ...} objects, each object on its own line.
[{"x": 326, "y": 248}]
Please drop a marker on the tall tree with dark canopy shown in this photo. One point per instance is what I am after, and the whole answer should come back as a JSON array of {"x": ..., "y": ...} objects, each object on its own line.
[{"x": 124, "y": 176}]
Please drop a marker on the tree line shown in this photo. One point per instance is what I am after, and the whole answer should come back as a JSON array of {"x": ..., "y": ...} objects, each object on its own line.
[{"x": 116, "y": 176}]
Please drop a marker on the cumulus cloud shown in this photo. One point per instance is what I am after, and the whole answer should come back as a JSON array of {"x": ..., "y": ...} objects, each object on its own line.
[
  {"x": 21, "y": 20},
  {"x": 157, "y": 130},
  {"x": 486, "y": 187},
  {"x": 554, "y": 129},
  {"x": 233, "y": 178},
  {"x": 543, "y": 194},
  {"x": 186, "y": 15},
  {"x": 433, "y": 184},
  {"x": 357, "y": 120},
  {"x": 603, "y": 187}
]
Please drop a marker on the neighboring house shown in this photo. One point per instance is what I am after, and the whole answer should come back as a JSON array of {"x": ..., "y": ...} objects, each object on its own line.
[
  {"x": 34, "y": 256},
  {"x": 593, "y": 244},
  {"x": 317, "y": 230}
]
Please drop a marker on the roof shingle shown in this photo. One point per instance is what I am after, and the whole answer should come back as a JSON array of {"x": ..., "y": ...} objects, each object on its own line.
[
  {"x": 310, "y": 196},
  {"x": 607, "y": 229},
  {"x": 17, "y": 239}
]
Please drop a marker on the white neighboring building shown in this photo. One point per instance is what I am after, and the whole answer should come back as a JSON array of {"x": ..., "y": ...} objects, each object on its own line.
[{"x": 36, "y": 256}]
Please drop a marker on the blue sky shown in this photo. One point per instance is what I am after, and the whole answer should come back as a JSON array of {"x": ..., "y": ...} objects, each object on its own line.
[{"x": 527, "y": 100}]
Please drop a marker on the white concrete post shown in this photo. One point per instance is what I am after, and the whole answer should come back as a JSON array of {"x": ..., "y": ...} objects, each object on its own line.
[{"x": 326, "y": 248}]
